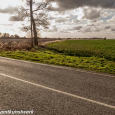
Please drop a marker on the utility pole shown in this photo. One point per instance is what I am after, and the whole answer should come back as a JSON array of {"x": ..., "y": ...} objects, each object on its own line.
[{"x": 31, "y": 19}]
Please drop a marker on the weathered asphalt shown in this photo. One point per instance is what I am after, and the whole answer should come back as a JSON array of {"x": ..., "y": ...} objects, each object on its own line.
[{"x": 18, "y": 95}]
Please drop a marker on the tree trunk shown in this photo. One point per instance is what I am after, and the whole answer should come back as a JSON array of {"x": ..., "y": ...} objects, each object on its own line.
[
  {"x": 35, "y": 33},
  {"x": 31, "y": 15}
]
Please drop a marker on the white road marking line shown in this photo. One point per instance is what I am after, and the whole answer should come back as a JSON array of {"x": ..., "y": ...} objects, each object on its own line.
[
  {"x": 69, "y": 68},
  {"x": 61, "y": 92}
]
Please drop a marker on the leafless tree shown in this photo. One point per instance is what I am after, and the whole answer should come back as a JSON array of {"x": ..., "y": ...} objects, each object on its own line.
[{"x": 36, "y": 13}]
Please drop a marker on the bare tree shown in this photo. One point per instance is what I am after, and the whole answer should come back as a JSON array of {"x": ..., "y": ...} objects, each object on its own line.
[{"x": 38, "y": 17}]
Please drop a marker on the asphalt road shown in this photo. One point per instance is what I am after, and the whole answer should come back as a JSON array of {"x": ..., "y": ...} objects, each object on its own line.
[{"x": 52, "y": 90}]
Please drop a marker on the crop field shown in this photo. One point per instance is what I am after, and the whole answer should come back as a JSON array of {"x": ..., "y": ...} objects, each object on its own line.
[{"x": 86, "y": 48}]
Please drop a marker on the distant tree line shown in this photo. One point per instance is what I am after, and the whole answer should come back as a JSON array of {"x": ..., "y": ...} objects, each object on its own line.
[{"x": 7, "y": 35}]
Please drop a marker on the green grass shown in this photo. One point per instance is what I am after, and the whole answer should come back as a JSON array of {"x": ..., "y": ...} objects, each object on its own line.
[
  {"x": 49, "y": 57},
  {"x": 86, "y": 48}
]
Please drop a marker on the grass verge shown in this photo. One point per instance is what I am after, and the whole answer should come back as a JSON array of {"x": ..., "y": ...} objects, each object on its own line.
[{"x": 49, "y": 57}]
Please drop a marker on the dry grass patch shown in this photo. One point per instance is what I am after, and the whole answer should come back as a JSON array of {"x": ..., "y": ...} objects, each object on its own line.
[{"x": 15, "y": 46}]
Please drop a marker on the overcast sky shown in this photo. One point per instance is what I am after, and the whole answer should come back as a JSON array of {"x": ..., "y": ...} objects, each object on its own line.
[{"x": 71, "y": 19}]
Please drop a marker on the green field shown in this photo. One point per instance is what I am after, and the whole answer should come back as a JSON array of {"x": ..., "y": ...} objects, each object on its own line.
[{"x": 86, "y": 48}]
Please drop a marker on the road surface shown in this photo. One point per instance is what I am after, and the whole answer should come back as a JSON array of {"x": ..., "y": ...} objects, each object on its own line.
[{"x": 53, "y": 90}]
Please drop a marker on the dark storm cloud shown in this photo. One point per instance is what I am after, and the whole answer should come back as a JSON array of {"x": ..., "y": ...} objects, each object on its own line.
[
  {"x": 10, "y": 10},
  {"x": 71, "y": 4}
]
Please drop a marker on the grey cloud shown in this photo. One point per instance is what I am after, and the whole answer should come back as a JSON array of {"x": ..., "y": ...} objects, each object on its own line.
[
  {"x": 60, "y": 20},
  {"x": 112, "y": 29},
  {"x": 19, "y": 16},
  {"x": 54, "y": 29},
  {"x": 71, "y": 4},
  {"x": 107, "y": 27},
  {"x": 72, "y": 19},
  {"x": 14, "y": 18},
  {"x": 96, "y": 29},
  {"x": 51, "y": 18},
  {"x": 10, "y": 10},
  {"x": 91, "y": 13},
  {"x": 85, "y": 30},
  {"x": 77, "y": 28},
  {"x": 72, "y": 16},
  {"x": 91, "y": 25},
  {"x": 64, "y": 31},
  {"x": 90, "y": 29}
]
